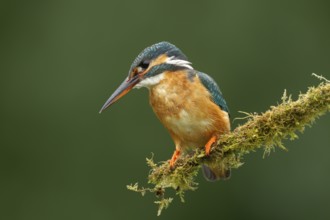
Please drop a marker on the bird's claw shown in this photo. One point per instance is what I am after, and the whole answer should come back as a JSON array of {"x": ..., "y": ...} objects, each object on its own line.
[
  {"x": 209, "y": 144},
  {"x": 175, "y": 156}
]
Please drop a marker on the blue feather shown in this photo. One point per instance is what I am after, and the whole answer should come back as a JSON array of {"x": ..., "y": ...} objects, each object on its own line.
[{"x": 214, "y": 89}]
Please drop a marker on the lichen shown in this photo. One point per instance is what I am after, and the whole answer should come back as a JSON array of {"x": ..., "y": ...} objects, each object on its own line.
[{"x": 266, "y": 130}]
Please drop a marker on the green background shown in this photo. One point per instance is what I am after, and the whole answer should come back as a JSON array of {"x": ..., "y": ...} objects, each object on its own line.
[{"x": 61, "y": 60}]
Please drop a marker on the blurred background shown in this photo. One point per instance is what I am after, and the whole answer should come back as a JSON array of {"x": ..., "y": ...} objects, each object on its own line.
[{"x": 61, "y": 60}]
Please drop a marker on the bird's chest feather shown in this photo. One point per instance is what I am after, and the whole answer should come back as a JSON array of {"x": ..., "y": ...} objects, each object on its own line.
[{"x": 185, "y": 108}]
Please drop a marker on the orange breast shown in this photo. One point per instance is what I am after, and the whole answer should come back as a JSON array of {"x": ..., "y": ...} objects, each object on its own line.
[{"x": 186, "y": 109}]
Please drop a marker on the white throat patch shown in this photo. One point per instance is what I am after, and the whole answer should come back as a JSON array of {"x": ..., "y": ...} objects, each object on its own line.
[
  {"x": 151, "y": 81},
  {"x": 183, "y": 63}
]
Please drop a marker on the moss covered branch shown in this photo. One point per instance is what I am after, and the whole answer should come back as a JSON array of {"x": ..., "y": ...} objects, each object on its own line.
[{"x": 266, "y": 130}]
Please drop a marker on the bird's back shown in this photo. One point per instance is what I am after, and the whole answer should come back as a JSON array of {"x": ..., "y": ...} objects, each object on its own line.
[{"x": 214, "y": 90}]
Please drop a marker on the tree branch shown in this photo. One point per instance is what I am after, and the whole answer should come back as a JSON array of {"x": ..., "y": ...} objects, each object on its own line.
[{"x": 265, "y": 130}]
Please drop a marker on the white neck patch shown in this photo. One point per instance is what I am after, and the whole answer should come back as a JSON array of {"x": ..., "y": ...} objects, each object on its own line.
[
  {"x": 151, "y": 81},
  {"x": 177, "y": 62}
]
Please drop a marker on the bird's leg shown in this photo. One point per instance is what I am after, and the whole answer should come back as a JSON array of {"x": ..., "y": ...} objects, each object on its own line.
[
  {"x": 209, "y": 144},
  {"x": 175, "y": 156}
]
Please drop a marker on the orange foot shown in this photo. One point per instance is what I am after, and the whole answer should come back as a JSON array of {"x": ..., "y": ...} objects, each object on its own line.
[
  {"x": 175, "y": 156},
  {"x": 209, "y": 144}
]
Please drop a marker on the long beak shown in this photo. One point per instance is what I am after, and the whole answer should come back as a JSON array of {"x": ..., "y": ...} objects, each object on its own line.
[{"x": 122, "y": 90}]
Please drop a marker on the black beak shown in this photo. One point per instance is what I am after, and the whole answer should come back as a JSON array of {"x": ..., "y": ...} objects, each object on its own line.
[{"x": 122, "y": 90}]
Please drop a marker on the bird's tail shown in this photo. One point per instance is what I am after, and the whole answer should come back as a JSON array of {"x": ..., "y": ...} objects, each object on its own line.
[{"x": 216, "y": 172}]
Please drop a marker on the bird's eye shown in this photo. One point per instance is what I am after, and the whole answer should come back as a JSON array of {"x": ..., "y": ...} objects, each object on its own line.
[
  {"x": 140, "y": 68},
  {"x": 144, "y": 64}
]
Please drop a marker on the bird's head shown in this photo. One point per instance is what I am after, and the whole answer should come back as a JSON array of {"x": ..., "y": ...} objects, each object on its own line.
[{"x": 147, "y": 69}]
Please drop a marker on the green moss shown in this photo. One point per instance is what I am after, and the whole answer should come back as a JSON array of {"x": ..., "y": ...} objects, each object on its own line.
[{"x": 266, "y": 130}]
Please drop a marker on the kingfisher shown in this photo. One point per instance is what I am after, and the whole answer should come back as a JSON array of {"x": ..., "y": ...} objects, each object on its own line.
[{"x": 188, "y": 103}]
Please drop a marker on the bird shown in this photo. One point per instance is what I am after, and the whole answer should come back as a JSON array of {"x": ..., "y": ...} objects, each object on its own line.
[{"x": 187, "y": 102}]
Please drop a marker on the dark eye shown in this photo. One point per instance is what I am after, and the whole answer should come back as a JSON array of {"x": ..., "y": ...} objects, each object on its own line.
[
  {"x": 144, "y": 64},
  {"x": 140, "y": 68}
]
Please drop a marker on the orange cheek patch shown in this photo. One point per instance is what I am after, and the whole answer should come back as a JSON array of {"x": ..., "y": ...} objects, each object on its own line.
[
  {"x": 133, "y": 73},
  {"x": 159, "y": 60}
]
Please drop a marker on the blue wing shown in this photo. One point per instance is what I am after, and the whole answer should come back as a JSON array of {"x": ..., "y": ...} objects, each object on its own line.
[{"x": 214, "y": 89}]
